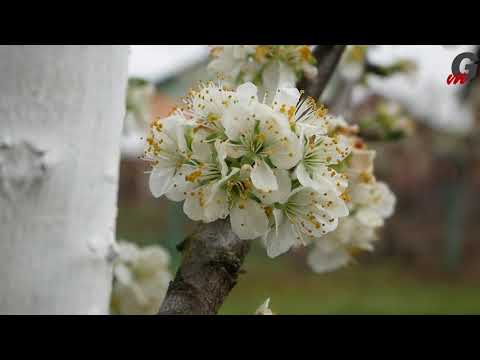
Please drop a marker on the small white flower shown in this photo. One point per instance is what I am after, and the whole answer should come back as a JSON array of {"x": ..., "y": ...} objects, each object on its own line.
[
  {"x": 167, "y": 150},
  {"x": 262, "y": 136},
  {"x": 264, "y": 309},
  {"x": 248, "y": 217},
  {"x": 369, "y": 201},
  {"x": 141, "y": 278},
  {"x": 338, "y": 248},
  {"x": 328, "y": 256},
  {"x": 206, "y": 198},
  {"x": 352, "y": 64},
  {"x": 268, "y": 66},
  {"x": 306, "y": 214},
  {"x": 234, "y": 62},
  {"x": 320, "y": 152},
  {"x": 139, "y": 93},
  {"x": 360, "y": 166},
  {"x": 374, "y": 202},
  {"x": 207, "y": 105},
  {"x": 127, "y": 251},
  {"x": 276, "y": 75},
  {"x": 304, "y": 115}
]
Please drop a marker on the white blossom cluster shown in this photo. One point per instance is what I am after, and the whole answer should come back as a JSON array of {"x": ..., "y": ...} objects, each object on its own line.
[
  {"x": 139, "y": 94},
  {"x": 370, "y": 202},
  {"x": 268, "y": 166},
  {"x": 267, "y": 66},
  {"x": 141, "y": 278},
  {"x": 137, "y": 116},
  {"x": 352, "y": 64}
]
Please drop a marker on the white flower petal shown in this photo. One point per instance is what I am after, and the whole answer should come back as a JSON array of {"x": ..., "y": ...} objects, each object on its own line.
[
  {"x": 332, "y": 151},
  {"x": 122, "y": 274},
  {"x": 201, "y": 150},
  {"x": 217, "y": 205},
  {"x": 247, "y": 92},
  {"x": 386, "y": 206},
  {"x": 262, "y": 177},
  {"x": 361, "y": 194},
  {"x": 237, "y": 121},
  {"x": 179, "y": 185},
  {"x": 220, "y": 147},
  {"x": 228, "y": 63},
  {"x": 304, "y": 178},
  {"x": 160, "y": 180},
  {"x": 281, "y": 194},
  {"x": 248, "y": 219},
  {"x": 280, "y": 242},
  {"x": 376, "y": 197},
  {"x": 328, "y": 222},
  {"x": 310, "y": 130},
  {"x": 192, "y": 207},
  {"x": 287, "y": 77},
  {"x": 264, "y": 309},
  {"x": 360, "y": 162},
  {"x": 333, "y": 204},
  {"x": 325, "y": 259},
  {"x": 287, "y": 97},
  {"x": 285, "y": 154},
  {"x": 319, "y": 225},
  {"x": 369, "y": 218},
  {"x": 327, "y": 178},
  {"x": 234, "y": 150},
  {"x": 171, "y": 133},
  {"x": 277, "y": 75}
]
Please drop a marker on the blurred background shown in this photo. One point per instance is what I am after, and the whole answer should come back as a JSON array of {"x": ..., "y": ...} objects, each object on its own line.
[{"x": 428, "y": 258}]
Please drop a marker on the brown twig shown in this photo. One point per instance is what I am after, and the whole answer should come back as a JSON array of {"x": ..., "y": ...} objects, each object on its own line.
[
  {"x": 327, "y": 57},
  {"x": 212, "y": 259}
]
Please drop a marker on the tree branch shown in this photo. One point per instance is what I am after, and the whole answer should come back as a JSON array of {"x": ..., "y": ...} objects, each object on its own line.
[
  {"x": 327, "y": 57},
  {"x": 212, "y": 257},
  {"x": 211, "y": 262}
]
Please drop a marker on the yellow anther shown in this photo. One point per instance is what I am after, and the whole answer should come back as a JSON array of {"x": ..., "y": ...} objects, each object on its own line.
[
  {"x": 260, "y": 53},
  {"x": 305, "y": 53},
  {"x": 193, "y": 176}
]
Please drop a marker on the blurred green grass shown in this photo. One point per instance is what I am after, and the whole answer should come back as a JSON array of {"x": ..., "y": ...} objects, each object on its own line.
[{"x": 378, "y": 286}]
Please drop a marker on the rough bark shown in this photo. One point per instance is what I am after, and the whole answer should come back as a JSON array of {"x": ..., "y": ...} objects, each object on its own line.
[
  {"x": 212, "y": 257},
  {"x": 61, "y": 111}
]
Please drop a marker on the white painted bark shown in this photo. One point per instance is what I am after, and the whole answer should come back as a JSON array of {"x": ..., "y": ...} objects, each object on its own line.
[{"x": 61, "y": 113}]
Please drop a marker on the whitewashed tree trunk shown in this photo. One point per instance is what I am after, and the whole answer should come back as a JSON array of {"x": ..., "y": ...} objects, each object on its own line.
[{"x": 61, "y": 112}]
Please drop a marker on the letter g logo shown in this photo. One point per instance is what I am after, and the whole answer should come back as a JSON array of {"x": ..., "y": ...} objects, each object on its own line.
[{"x": 471, "y": 68}]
